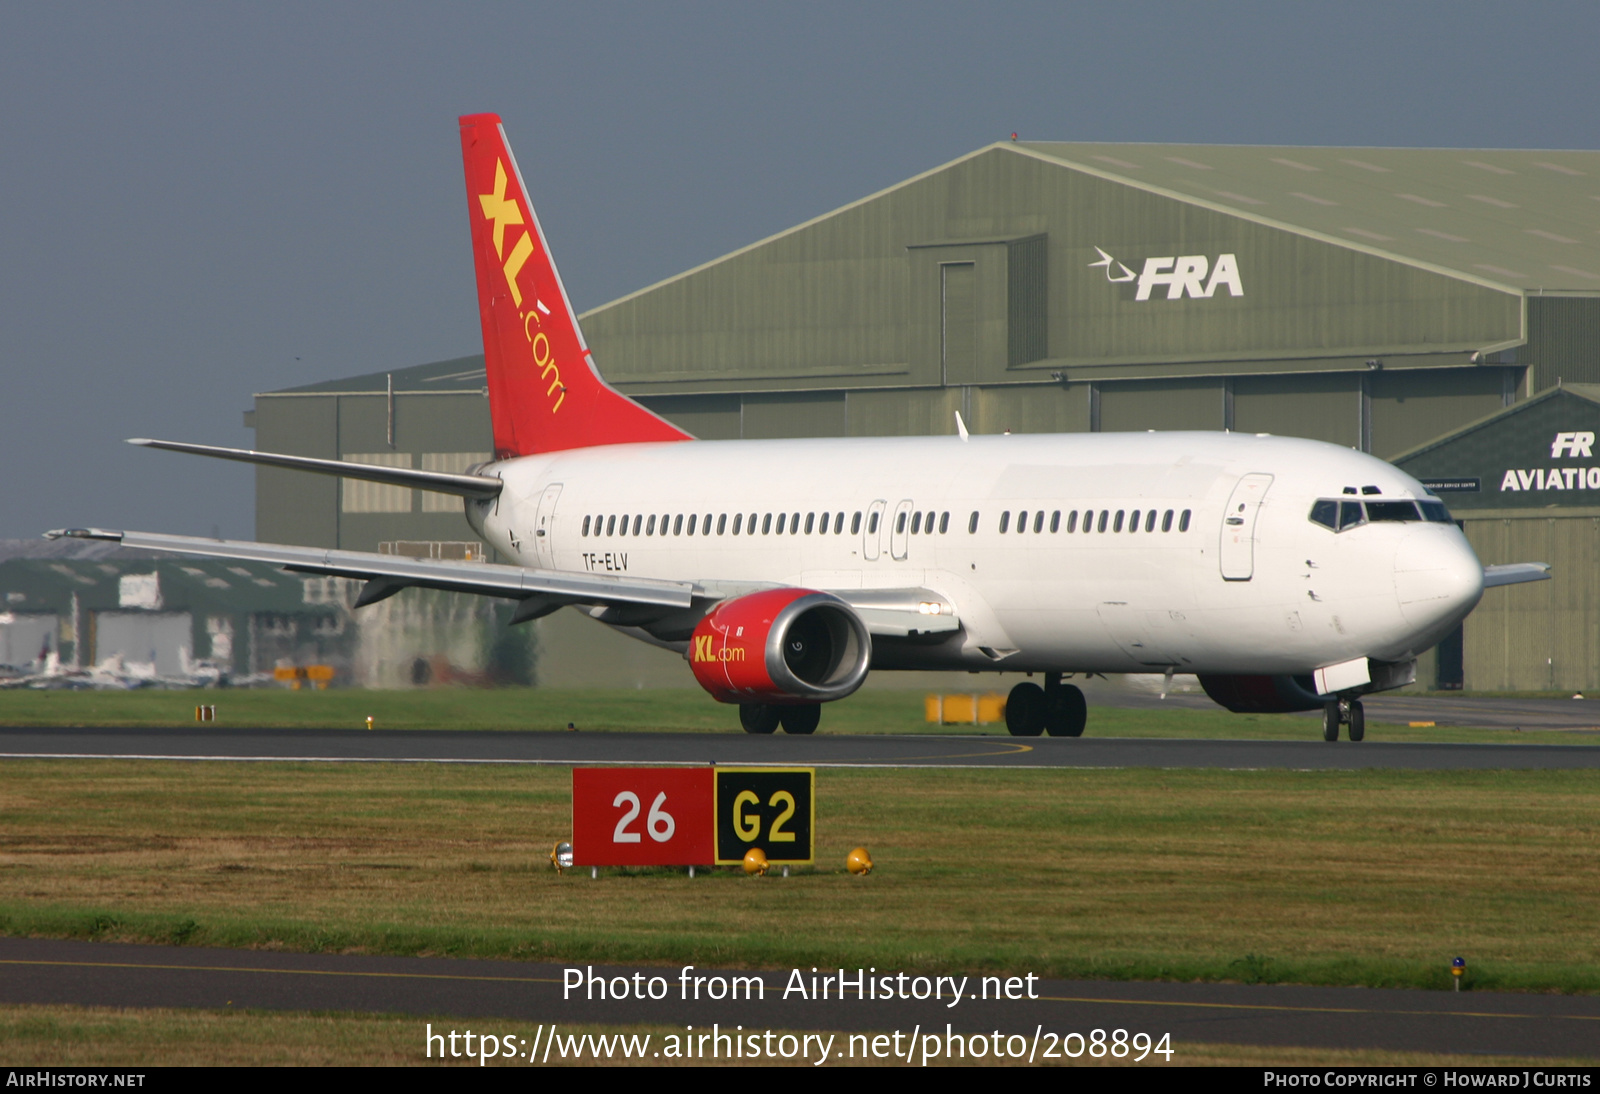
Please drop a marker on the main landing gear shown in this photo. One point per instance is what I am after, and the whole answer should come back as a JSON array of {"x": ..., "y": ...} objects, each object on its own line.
[
  {"x": 1058, "y": 709},
  {"x": 1348, "y": 712},
  {"x": 767, "y": 717}
]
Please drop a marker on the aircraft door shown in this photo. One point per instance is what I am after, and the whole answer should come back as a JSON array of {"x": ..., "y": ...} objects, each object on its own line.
[
  {"x": 1239, "y": 527},
  {"x": 544, "y": 526},
  {"x": 872, "y": 532},
  {"x": 900, "y": 531}
]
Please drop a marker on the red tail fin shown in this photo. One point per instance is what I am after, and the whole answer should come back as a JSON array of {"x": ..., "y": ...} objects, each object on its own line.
[{"x": 544, "y": 393}]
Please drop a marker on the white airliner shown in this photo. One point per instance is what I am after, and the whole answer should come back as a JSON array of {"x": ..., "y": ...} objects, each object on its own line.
[{"x": 1288, "y": 574}]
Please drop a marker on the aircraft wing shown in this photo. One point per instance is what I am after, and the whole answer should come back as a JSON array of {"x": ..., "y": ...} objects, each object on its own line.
[
  {"x": 541, "y": 591},
  {"x": 1515, "y": 573}
]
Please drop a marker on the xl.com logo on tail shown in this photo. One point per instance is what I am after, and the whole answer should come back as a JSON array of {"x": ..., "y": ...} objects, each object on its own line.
[{"x": 1183, "y": 275}]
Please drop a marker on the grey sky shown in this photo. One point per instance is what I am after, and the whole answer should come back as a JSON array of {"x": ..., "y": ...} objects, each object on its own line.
[{"x": 198, "y": 202}]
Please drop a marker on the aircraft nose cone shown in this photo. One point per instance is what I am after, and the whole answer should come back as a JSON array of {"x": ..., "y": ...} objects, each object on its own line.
[{"x": 1437, "y": 577}]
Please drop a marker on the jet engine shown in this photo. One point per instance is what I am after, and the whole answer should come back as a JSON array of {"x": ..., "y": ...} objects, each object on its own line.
[
  {"x": 1263, "y": 694},
  {"x": 780, "y": 647}
]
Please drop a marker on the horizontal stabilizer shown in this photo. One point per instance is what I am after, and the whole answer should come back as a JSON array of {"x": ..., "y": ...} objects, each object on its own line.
[
  {"x": 1515, "y": 573},
  {"x": 440, "y": 482},
  {"x": 388, "y": 574}
]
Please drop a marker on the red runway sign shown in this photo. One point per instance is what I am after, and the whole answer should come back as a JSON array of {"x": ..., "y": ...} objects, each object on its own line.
[{"x": 642, "y": 816}]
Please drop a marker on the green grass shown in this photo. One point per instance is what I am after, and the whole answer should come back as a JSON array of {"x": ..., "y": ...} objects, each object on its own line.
[
  {"x": 1346, "y": 877},
  {"x": 665, "y": 709}
]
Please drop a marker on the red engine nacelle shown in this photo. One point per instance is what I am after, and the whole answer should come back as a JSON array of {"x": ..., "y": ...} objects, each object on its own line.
[
  {"x": 1263, "y": 694},
  {"x": 780, "y": 646}
]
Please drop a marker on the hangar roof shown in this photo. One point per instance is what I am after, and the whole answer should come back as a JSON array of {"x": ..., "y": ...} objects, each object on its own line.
[
  {"x": 459, "y": 374},
  {"x": 1525, "y": 219}
]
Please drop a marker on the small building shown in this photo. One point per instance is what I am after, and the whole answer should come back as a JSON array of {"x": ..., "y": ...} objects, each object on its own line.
[{"x": 1525, "y": 485}]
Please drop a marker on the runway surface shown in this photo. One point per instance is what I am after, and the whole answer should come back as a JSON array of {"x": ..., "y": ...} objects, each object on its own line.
[
  {"x": 521, "y": 995},
  {"x": 1578, "y": 716},
  {"x": 465, "y": 746}
]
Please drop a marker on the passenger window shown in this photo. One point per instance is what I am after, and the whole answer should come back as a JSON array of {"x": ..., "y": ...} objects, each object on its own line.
[
  {"x": 622, "y": 529},
  {"x": 855, "y": 524},
  {"x": 638, "y": 523},
  {"x": 1088, "y": 520},
  {"x": 1072, "y": 521},
  {"x": 1022, "y": 521},
  {"x": 1005, "y": 521},
  {"x": 972, "y": 523},
  {"x": 872, "y": 525},
  {"x": 766, "y": 525},
  {"x": 916, "y": 523},
  {"x": 838, "y": 524},
  {"x": 611, "y": 526},
  {"x": 650, "y": 525},
  {"x": 691, "y": 524},
  {"x": 1133, "y": 523},
  {"x": 1105, "y": 514},
  {"x": 1183, "y": 521},
  {"x": 782, "y": 517},
  {"x": 738, "y": 522},
  {"x": 810, "y": 518},
  {"x": 944, "y": 523},
  {"x": 794, "y": 524},
  {"x": 705, "y": 526},
  {"x": 1116, "y": 525},
  {"x": 585, "y": 525},
  {"x": 1325, "y": 513},
  {"x": 1166, "y": 521},
  {"x": 899, "y": 524},
  {"x": 1150, "y": 521},
  {"x": 1055, "y": 521},
  {"x": 722, "y": 524},
  {"x": 677, "y": 525},
  {"x": 1350, "y": 514},
  {"x": 1038, "y": 521}
]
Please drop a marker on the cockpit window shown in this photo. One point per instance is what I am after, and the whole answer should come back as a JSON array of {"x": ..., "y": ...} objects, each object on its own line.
[
  {"x": 1339, "y": 514},
  {"x": 1395, "y": 511}
]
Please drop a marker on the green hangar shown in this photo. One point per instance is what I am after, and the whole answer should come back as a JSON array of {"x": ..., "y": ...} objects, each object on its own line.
[{"x": 1385, "y": 299}]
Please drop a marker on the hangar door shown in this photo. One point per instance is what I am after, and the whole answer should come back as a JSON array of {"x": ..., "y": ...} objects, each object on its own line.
[
  {"x": 164, "y": 638},
  {"x": 25, "y": 639},
  {"x": 958, "y": 322}
]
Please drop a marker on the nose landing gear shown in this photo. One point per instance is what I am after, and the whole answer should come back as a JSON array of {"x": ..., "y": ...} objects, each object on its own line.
[{"x": 1347, "y": 712}]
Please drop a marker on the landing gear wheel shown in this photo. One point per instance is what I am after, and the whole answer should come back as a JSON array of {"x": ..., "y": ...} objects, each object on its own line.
[
  {"x": 802, "y": 720},
  {"x": 1357, "y": 721},
  {"x": 1025, "y": 710},
  {"x": 758, "y": 717},
  {"x": 1067, "y": 712},
  {"x": 1330, "y": 721}
]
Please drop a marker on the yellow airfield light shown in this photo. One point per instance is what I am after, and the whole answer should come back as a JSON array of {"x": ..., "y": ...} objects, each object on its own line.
[
  {"x": 755, "y": 861},
  {"x": 858, "y": 862},
  {"x": 561, "y": 856}
]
